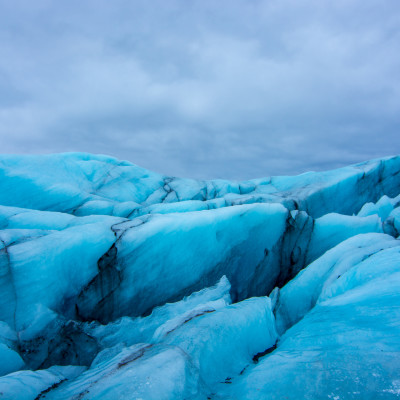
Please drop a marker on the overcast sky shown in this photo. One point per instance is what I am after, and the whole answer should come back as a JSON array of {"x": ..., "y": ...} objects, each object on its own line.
[{"x": 205, "y": 89}]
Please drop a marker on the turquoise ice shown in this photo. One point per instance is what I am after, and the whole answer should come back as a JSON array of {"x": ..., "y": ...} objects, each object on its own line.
[{"x": 117, "y": 282}]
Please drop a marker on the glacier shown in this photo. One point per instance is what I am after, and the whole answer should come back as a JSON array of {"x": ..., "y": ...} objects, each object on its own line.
[{"x": 121, "y": 283}]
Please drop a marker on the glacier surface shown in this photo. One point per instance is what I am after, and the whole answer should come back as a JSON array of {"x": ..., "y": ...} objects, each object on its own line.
[{"x": 120, "y": 283}]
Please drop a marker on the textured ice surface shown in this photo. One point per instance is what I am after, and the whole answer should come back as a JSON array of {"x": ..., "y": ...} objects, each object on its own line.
[
  {"x": 10, "y": 359},
  {"x": 141, "y": 371},
  {"x": 117, "y": 282},
  {"x": 162, "y": 320},
  {"x": 347, "y": 346},
  {"x": 27, "y": 385},
  {"x": 223, "y": 343},
  {"x": 67, "y": 182},
  {"x": 302, "y": 293}
]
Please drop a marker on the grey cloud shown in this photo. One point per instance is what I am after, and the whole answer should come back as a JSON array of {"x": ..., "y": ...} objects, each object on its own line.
[{"x": 228, "y": 89}]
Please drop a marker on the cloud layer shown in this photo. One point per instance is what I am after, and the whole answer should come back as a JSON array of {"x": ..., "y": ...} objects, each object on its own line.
[{"x": 204, "y": 89}]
